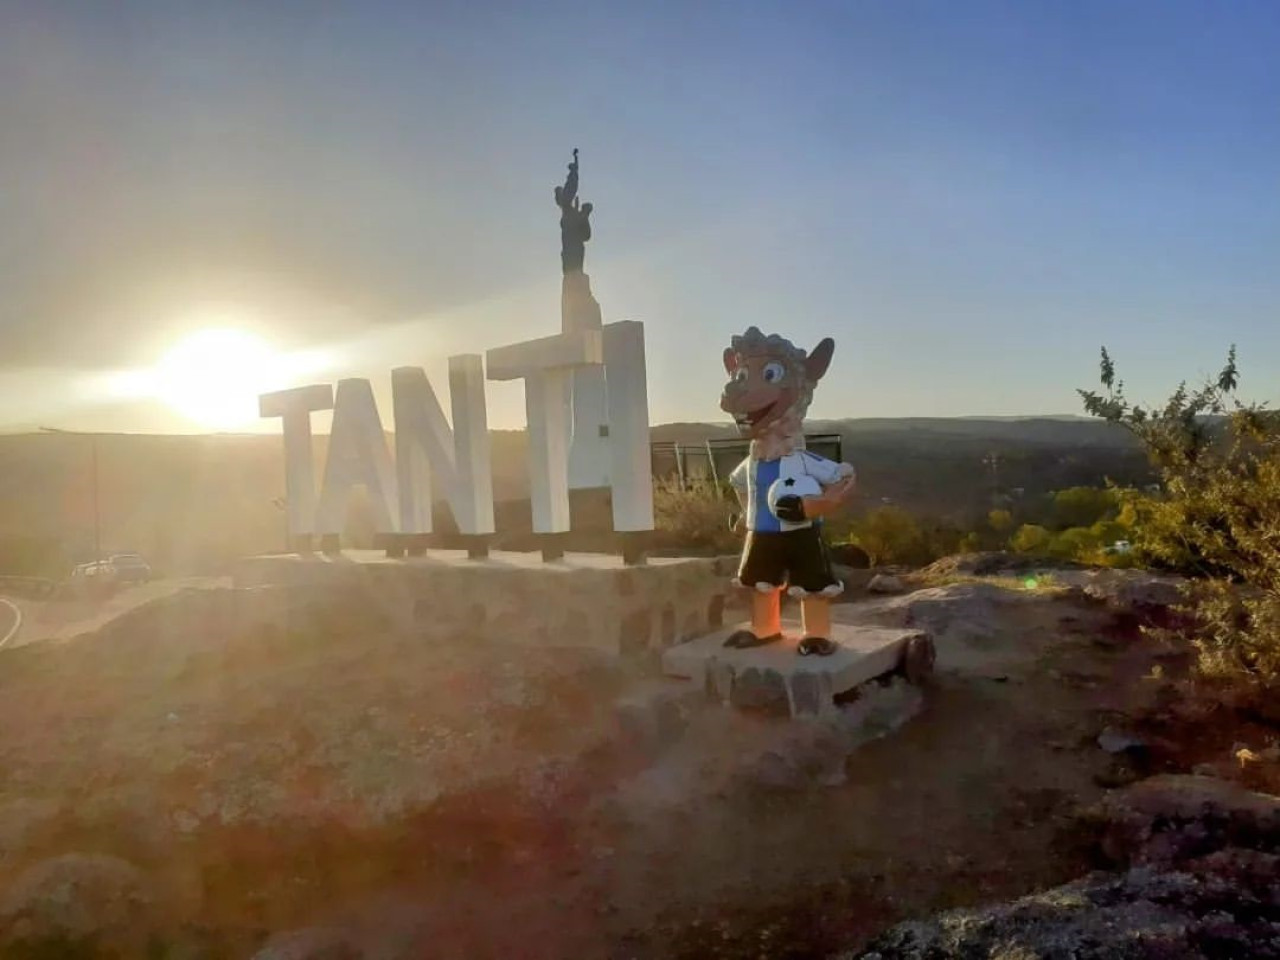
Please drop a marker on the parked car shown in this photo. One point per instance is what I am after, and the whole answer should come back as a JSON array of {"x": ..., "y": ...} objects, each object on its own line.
[
  {"x": 119, "y": 568},
  {"x": 96, "y": 570},
  {"x": 130, "y": 568}
]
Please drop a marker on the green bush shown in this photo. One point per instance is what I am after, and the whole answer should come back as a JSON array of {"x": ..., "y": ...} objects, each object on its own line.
[
  {"x": 1031, "y": 538},
  {"x": 698, "y": 514},
  {"x": 1217, "y": 516},
  {"x": 891, "y": 535},
  {"x": 1082, "y": 507},
  {"x": 1077, "y": 543},
  {"x": 1000, "y": 520}
]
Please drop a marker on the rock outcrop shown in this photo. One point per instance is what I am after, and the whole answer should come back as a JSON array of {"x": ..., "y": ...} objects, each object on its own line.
[
  {"x": 886, "y": 583},
  {"x": 1200, "y": 860},
  {"x": 972, "y": 624},
  {"x": 1228, "y": 908},
  {"x": 76, "y": 902},
  {"x": 1174, "y": 818},
  {"x": 311, "y": 943},
  {"x": 995, "y": 563}
]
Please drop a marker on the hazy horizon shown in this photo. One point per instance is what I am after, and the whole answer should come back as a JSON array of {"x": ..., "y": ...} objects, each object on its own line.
[
  {"x": 270, "y": 427},
  {"x": 970, "y": 198}
]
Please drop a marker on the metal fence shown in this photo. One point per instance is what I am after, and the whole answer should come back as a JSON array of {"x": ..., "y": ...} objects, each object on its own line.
[{"x": 714, "y": 460}]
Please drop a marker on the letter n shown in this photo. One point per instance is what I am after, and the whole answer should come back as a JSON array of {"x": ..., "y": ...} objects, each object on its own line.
[{"x": 458, "y": 459}]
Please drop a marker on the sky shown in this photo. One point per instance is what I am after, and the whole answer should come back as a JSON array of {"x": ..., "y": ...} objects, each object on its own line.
[{"x": 971, "y": 198}]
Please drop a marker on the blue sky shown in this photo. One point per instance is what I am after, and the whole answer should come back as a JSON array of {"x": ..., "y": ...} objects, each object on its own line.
[{"x": 970, "y": 197}]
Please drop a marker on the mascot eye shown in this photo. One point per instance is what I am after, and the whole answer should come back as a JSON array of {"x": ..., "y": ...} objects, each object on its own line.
[
  {"x": 740, "y": 374},
  {"x": 773, "y": 372}
]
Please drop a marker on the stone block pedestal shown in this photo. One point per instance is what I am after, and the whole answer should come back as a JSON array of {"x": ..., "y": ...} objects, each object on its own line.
[{"x": 774, "y": 673}]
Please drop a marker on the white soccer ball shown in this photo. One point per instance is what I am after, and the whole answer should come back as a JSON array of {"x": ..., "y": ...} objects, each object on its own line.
[{"x": 801, "y": 486}]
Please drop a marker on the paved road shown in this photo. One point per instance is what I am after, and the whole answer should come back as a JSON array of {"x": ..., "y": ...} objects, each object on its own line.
[{"x": 10, "y": 620}]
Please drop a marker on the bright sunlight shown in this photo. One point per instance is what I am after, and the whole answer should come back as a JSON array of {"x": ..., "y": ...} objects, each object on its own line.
[{"x": 213, "y": 376}]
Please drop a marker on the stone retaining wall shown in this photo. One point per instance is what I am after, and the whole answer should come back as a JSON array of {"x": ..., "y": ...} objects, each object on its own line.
[{"x": 584, "y": 599}]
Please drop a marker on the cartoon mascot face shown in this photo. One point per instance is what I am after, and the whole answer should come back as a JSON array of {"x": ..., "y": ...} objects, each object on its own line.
[{"x": 771, "y": 382}]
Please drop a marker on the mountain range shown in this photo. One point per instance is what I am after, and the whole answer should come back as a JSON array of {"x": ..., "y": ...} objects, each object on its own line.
[{"x": 194, "y": 502}]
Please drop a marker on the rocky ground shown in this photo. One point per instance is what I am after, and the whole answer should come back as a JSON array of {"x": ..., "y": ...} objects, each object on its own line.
[{"x": 346, "y": 790}]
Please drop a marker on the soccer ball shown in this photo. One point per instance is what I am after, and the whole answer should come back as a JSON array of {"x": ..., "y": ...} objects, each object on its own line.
[{"x": 801, "y": 486}]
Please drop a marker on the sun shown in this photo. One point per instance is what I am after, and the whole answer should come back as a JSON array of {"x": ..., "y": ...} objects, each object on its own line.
[{"x": 213, "y": 377}]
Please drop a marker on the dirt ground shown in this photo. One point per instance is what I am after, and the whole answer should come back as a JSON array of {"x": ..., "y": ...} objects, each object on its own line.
[{"x": 461, "y": 802}]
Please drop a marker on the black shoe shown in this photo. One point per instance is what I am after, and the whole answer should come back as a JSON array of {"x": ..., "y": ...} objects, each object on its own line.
[
  {"x": 817, "y": 647},
  {"x": 744, "y": 639}
]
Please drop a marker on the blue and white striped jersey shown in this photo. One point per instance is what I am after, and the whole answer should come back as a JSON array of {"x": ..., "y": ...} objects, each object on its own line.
[{"x": 755, "y": 477}]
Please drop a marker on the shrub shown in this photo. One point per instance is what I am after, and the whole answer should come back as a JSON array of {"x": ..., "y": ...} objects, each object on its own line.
[
  {"x": 698, "y": 514},
  {"x": 890, "y": 535},
  {"x": 1082, "y": 506},
  {"x": 1217, "y": 517},
  {"x": 1031, "y": 538},
  {"x": 944, "y": 539},
  {"x": 1077, "y": 543}
]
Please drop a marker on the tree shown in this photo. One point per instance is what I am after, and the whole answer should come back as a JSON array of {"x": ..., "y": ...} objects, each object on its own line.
[
  {"x": 890, "y": 535},
  {"x": 1031, "y": 539},
  {"x": 1217, "y": 517},
  {"x": 1078, "y": 543},
  {"x": 1000, "y": 520},
  {"x": 1082, "y": 506}
]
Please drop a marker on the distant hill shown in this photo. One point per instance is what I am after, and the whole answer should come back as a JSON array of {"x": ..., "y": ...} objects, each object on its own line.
[
  {"x": 1065, "y": 430},
  {"x": 945, "y": 468},
  {"x": 192, "y": 503}
]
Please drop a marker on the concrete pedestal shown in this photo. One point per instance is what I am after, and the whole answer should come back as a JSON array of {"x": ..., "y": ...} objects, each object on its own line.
[{"x": 774, "y": 672}]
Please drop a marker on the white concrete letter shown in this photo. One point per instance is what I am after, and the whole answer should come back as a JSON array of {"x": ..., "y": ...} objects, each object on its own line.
[
  {"x": 546, "y": 366},
  {"x": 295, "y": 407},
  {"x": 358, "y": 456},
  {"x": 589, "y": 458},
  {"x": 631, "y": 470},
  {"x": 548, "y": 408},
  {"x": 459, "y": 458}
]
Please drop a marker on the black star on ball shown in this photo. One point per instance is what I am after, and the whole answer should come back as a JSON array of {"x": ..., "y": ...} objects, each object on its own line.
[{"x": 789, "y": 482}]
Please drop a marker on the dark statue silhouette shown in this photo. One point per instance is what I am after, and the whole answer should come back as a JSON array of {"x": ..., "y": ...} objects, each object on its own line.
[{"x": 575, "y": 227}]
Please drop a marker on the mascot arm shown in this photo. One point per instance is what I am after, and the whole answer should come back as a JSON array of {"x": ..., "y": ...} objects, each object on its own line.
[{"x": 832, "y": 498}]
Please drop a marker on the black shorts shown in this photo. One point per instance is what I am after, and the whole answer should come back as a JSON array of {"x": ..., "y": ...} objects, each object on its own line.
[{"x": 795, "y": 558}]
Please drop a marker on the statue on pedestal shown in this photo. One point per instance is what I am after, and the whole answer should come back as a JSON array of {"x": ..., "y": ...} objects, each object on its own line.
[
  {"x": 784, "y": 490},
  {"x": 575, "y": 225}
]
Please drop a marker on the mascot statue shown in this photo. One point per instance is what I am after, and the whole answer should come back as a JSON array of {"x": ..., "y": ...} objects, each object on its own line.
[{"x": 784, "y": 490}]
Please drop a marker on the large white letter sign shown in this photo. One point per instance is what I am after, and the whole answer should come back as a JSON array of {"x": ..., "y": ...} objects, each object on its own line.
[
  {"x": 458, "y": 458},
  {"x": 631, "y": 466},
  {"x": 546, "y": 365},
  {"x": 295, "y": 407},
  {"x": 548, "y": 399},
  {"x": 358, "y": 456}
]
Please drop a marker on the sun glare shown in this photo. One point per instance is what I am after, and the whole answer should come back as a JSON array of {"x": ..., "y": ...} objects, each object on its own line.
[{"x": 212, "y": 377}]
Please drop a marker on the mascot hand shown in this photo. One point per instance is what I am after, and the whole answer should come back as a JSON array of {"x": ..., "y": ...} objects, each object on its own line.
[{"x": 790, "y": 509}]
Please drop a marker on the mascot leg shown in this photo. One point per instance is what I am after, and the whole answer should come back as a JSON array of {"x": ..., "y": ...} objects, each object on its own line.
[
  {"x": 815, "y": 617},
  {"x": 766, "y": 613},
  {"x": 766, "y": 621}
]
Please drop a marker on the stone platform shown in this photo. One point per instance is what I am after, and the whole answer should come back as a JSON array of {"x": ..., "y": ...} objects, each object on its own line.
[
  {"x": 764, "y": 675},
  {"x": 579, "y": 600}
]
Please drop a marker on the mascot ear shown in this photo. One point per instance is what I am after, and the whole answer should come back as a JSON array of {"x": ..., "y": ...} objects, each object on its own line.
[
  {"x": 730, "y": 360},
  {"x": 815, "y": 365}
]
